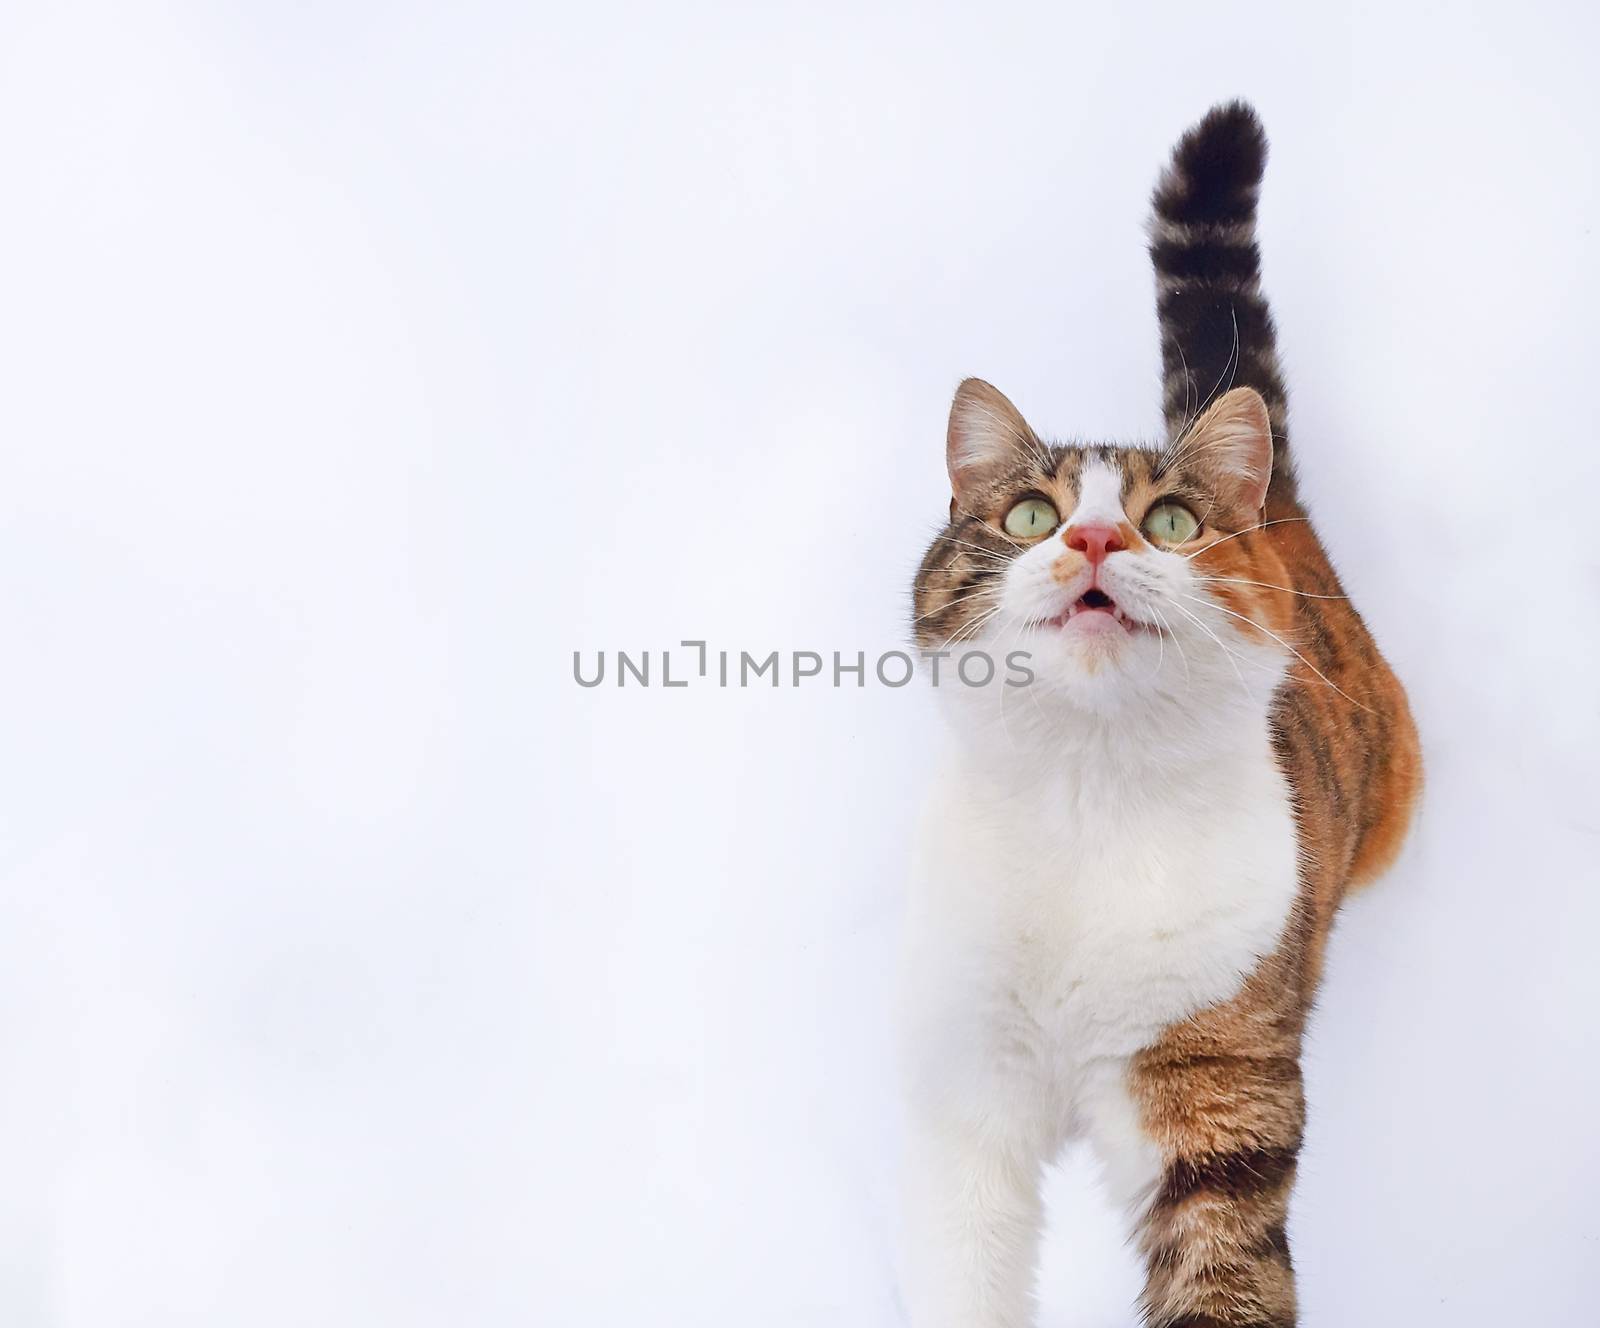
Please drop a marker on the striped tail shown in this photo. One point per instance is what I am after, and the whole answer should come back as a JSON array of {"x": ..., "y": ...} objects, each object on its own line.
[{"x": 1216, "y": 331}]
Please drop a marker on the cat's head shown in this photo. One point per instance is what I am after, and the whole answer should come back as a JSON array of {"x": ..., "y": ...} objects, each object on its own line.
[{"x": 1132, "y": 577}]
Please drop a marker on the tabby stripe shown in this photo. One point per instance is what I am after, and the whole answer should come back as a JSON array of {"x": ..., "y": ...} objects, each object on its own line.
[
  {"x": 1245, "y": 1174},
  {"x": 1273, "y": 1244},
  {"x": 1207, "y": 262}
]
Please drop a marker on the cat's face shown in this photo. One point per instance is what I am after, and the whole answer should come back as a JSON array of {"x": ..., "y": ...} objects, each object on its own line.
[{"x": 1128, "y": 575}]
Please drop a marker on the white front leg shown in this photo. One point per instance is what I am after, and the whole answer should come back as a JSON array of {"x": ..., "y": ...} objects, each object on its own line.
[{"x": 973, "y": 1216}]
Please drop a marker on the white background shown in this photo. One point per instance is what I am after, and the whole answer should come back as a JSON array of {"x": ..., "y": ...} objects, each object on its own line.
[{"x": 360, "y": 362}]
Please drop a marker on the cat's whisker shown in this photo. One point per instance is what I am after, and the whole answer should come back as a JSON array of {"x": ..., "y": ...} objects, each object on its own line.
[
  {"x": 1278, "y": 521},
  {"x": 1266, "y": 631},
  {"x": 970, "y": 626},
  {"x": 1176, "y": 640},
  {"x": 1233, "y": 657},
  {"x": 1223, "y": 645},
  {"x": 950, "y": 604},
  {"x": 1007, "y": 538},
  {"x": 1161, "y": 644},
  {"x": 978, "y": 548},
  {"x": 1288, "y": 590},
  {"x": 1186, "y": 442},
  {"x": 1190, "y": 409}
]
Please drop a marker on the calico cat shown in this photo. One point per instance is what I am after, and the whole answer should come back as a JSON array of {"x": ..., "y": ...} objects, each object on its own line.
[{"x": 1132, "y": 865}]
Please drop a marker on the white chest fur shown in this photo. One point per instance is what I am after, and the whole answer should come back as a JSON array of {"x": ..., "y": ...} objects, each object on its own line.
[{"x": 1063, "y": 916}]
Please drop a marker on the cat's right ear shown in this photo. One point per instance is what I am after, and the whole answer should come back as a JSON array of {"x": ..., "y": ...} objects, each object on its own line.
[{"x": 987, "y": 437}]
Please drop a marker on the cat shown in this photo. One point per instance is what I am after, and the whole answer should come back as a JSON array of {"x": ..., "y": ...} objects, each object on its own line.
[{"x": 1131, "y": 866}]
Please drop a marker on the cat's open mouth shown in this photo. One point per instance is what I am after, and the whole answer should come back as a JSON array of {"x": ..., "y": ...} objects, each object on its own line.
[{"x": 1094, "y": 608}]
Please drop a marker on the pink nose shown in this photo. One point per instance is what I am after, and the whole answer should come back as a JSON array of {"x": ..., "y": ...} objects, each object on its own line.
[{"x": 1094, "y": 542}]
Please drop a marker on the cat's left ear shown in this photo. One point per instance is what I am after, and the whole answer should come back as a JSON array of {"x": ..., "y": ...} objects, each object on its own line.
[
  {"x": 1231, "y": 448},
  {"x": 986, "y": 439}
]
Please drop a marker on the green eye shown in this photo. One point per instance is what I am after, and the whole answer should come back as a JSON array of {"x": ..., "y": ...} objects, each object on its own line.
[
  {"x": 1031, "y": 518},
  {"x": 1171, "y": 523}
]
